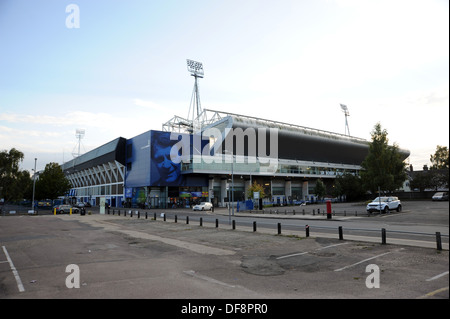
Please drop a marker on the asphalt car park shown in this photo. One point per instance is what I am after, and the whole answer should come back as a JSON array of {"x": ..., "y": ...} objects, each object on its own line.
[{"x": 123, "y": 257}]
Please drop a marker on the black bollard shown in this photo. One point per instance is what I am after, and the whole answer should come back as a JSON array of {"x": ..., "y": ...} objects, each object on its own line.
[
  {"x": 187, "y": 219},
  {"x": 438, "y": 241},
  {"x": 254, "y": 226},
  {"x": 217, "y": 223},
  {"x": 176, "y": 218},
  {"x": 279, "y": 228},
  {"x": 383, "y": 236},
  {"x": 341, "y": 236},
  {"x": 234, "y": 224},
  {"x": 307, "y": 230},
  {"x": 201, "y": 221}
]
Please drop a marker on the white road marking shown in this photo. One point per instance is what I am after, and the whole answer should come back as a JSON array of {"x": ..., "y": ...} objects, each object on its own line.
[
  {"x": 360, "y": 262},
  {"x": 299, "y": 254},
  {"x": 332, "y": 246},
  {"x": 14, "y": 271},
  {"x": 438, "y": 276},
  {"x": 306, "y": 252}
]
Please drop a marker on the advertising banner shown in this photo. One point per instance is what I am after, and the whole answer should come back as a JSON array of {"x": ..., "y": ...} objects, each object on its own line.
[{"x": 165, "y": 167}]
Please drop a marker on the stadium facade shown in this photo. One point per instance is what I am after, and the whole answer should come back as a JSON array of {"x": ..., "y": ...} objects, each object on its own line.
[{"x": 214, "y": 158}]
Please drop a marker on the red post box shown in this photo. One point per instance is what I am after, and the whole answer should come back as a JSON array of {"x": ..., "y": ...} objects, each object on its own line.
[{"x": 328, "y": 209}]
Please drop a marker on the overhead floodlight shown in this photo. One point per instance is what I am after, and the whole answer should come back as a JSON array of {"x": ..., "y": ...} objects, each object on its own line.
[
  {"x": 79, "y": 134},
  {"x": 195, "y": 68},
  {"x": 347, "y": 113}
]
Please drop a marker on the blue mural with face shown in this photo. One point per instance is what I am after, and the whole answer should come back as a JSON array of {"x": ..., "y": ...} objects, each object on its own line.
[
  {"x": 165, "y": 167},
  {"x": 149, "y": 161}
]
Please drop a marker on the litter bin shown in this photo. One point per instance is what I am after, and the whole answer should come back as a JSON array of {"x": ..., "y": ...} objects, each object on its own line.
[{"x": 83, "y": 211}]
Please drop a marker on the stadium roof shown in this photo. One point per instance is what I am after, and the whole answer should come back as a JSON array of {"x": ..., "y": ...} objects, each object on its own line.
[{"x": 111, "y": 151}]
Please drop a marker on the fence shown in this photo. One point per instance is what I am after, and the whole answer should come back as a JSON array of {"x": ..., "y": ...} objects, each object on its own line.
[
  {"x": 313, "y": 211},
  {"x": 306, "y": 228},
  {"x": 382, "y": 233}
]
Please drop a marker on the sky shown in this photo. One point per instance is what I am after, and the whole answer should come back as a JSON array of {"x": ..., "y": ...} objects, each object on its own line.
[{"x": 122, "y": 71}]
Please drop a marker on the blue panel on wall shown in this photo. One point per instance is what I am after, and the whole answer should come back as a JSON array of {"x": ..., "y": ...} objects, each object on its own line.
[
  {"x": 138, "y": 160},
  {"x": 149, "y": 161}
]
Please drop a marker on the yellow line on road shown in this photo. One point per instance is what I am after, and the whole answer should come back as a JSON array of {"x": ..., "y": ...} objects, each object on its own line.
[{"x": 431, "y": 294}]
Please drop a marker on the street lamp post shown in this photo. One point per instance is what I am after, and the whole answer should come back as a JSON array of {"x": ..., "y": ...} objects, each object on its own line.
[
  {"x": 34, "y": 184},
  {"x": 232, "y": 186},
  {"x": 232, "y": 183}
]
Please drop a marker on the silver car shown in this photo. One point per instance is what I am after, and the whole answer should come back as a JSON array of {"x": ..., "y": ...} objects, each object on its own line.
[
  {"x": 203, "y": 206},
  {"x": 440, "y": 196},
  {"x": 65, "y": 209}
]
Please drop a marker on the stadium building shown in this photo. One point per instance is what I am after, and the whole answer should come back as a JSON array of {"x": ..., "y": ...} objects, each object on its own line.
[{"x": 215, "y": 157}]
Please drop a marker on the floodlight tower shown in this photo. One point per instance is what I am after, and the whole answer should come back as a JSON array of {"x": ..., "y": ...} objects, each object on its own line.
[
  {"x": 79, "y": 134},
  {"x": 196, "y": 70},
  {"x": 347, "y": 113}
]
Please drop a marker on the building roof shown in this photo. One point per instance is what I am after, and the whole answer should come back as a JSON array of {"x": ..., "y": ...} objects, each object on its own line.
[
  {"x": 111, "y": 151},
  {"x": 298, "y": 142}
]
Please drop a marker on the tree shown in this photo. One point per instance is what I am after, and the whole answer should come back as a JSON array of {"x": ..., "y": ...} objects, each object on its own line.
[
  {"x": 440, "y": 159},
  {"x": 348, "y": 185},
  {"x": 383, "y": 167},
  {"x": 52, "y": 182},
  {"x": 422, "y": 180},
  {"x": 14, "y": 183},
  {"x": 22, "y": 187},
  {"x": 440, "y": 167},
  {"x": 256, "y": 188},
  {"x": 320, "y": 189}
]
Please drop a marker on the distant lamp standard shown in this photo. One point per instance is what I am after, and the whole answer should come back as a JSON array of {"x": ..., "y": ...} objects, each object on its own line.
[{"x": 34, "y": 185}]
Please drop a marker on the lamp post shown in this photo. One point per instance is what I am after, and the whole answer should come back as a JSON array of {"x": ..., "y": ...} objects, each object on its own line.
[
  {"x": 232, "y": 182},
  {"x": 34, "y": 184}
]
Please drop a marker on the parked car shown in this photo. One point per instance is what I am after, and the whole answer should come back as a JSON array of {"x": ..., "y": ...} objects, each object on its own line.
[
  {"x": 65, "y": 209},
  {"x": 203, "y": 206},
  {"x": 440, "y": 196},
  {"x": 384, "y": 204},
  {"x": 300, "y": 202}
]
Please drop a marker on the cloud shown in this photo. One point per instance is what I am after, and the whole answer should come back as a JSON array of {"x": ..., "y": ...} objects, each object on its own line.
[
  {"x": 77, "y": 118},
  {"x": 148, "y": 104}
]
